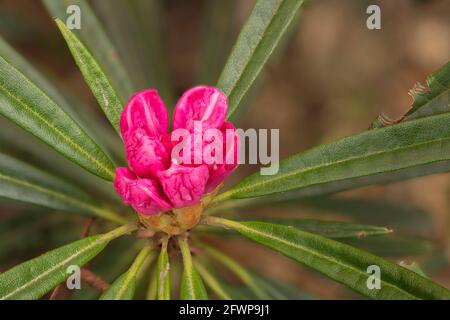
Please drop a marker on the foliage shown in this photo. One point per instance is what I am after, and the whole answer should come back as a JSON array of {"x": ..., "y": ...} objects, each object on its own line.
[{"x": 416, "y": 145}]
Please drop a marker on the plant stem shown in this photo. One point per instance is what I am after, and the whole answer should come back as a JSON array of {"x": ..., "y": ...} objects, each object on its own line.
[
  {"x": 219, "y": 222},
  {"x": 120, "y": 231}
]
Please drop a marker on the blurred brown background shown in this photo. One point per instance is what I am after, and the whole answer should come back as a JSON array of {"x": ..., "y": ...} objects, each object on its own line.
[{"x": 331, "y": 80}]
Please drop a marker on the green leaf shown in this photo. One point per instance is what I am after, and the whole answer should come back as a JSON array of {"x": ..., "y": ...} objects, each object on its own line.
[
  {"x": 393, "y": 246},
  {"x": 414, "y": 266},
  {"x": 36, "y": 277},
  {"x": 405, "y": 218},
  {"x": 339, "y": 261},
  {"x": 353, "y": 161},
  {"x": 137, "y": 29},
  {"x": 152, "y": 285},
  {"x": 14, "y": 140},
  {"x": 163, "y": 273},
  {"x": 432, "y": 99},
  {"x": 94, "y": 76},
  {"x": 111, "y": 264},
  {"x": 257, "y": 40},
  {"x": 331, "y": 229},
  {"x": 94, "y": 36},
  {"x": 435, "y": 98},
  {"x": 217, "y": 32},
  {"x": 80, "y": 112},
  {"x": 239, "y": 271},
  {"x": 22, "y": 102},
  {"x": 125, "y": 286},
  {"x": 192, "y": 287},
  {"x": 22, "y": 182},
  {"x": 212, "y": 282}
]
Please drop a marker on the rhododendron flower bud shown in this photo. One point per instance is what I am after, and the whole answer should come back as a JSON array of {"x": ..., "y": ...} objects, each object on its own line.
[
  {"x": 144, "y": 195},
  {"x": 205, "y": 104},
  {"x": 146, "y": 155},
  {"x": 157, "y": 180},
  {"x": 145, "y": 111},
  {"x": 219, "y": 171},
  {"x": 183, "y": 185}
]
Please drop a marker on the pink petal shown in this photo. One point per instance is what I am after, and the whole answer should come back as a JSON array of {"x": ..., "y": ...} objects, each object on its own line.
[
  {"x": 144, "y": 195},
  {"x": 146, "y": 155},
  {"x": 201, "y": 103},
  {"x": 219, "y": 172},
  {"x": 146, "y": 111},
  {"x": 190, "y": 150},
  {"x": 184, "y": 186}
]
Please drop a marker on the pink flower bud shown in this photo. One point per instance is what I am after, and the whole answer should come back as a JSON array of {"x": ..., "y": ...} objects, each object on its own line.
[
  {"x": 146, "y": 155},
  {"x": 231, "y": 144},
  {"x": 158, "y": 181},
  {"x": 144, "y": 195},
  {"x": 201, "y": 103},
  {"x": 146, "y": 111},
  {"x": 183, "y": 185}
]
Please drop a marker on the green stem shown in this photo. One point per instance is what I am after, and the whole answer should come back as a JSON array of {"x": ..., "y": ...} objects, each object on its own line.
[
  {"x": 127, "y": 228},
  {"x": 220, "y": 222}
]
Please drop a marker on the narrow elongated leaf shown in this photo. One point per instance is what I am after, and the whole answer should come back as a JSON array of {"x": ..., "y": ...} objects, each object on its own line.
[
  {"x": 217, "y": 27},
  {"x": 81, "y": 113},
  {"x": 22, "y": 182},
  {"x": 192, "y": 287},
  {"x": 433, "y": 99},
  {"x": 405, "y": 218},
  {"x": 137, "y": 29},
  {"x": 152, "y": 289},
  {"x": 352, "y": 161},
  {"x": 331, "y": 229},
  {"x": 212, "y": 282},
  {"x": 14, "y": 140},
  {"x": 239, "y": 271},
  {"x": 22, "y": 102},
  {"x": 125, "y": 286},
  {"x": 163, "y": 270},
  {"x": 91, "y": 32},
  {"x": 257, "y": 40},
  {"x": 430, "y": 99},
  {"x": 393, "y": 246},
  {"x": 94, "y": 76},
  {"x": 34, "y": 278},
  {"x": 340, "y": 262}
]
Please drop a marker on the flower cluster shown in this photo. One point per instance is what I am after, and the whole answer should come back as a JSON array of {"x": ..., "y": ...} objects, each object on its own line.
[{"x": 157, "y": 180}]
